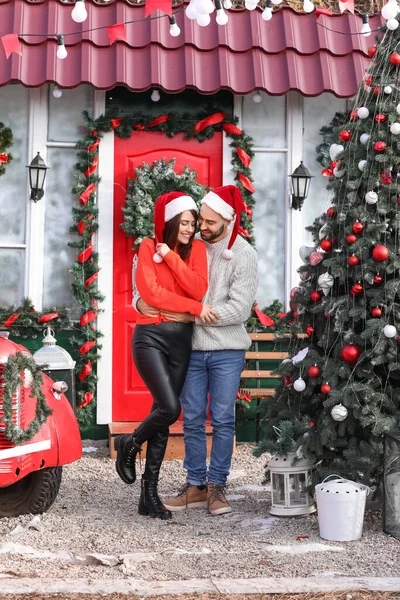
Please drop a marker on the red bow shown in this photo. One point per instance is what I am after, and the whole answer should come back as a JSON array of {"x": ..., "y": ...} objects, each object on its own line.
[
  {"x": 156, "y": 121},
  {"x": 211, "y": 120},
  {"x": 329, "y": 172},
  {"x": 3, "y": 158},
  {"x": 88, "y": 397}
]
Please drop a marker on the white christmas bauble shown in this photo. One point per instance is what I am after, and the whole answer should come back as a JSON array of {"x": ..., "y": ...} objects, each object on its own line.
[
  {"x": 371, "y": 197},
  {"x": 388, "y": 89},
  {"x": 334, "y": 150},
  {"x": 361, "y": 164},
  {"x": 325, "y": 282},
  {"x": 395, "y": 128},
  {"x": 28, "y": 378},
  {"x": 364, "y": 137},
  {"x": 339, "y": 171},
  {"x": 392, "y": 24},
  {"x": 363, "y": 112},
  {"x": 339, "y": 412},
  {"x": 203, "y": 20},
  {"x": 390, "y": 331},
  {"x": 305, "y": 252},
  {"x": 398, "y": 108},
  {"x": 390, "y": 10},
  {"x": 299, "y": 385}
]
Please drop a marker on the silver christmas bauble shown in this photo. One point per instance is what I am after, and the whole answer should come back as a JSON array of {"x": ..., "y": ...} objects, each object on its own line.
[
  {"x": 388, "y": 89},
  {"x": 335, "y": 150},
  {"x": 299, "y": 385},
  {"x": 339, "y": 412},
  {"x": 364, "y": 137},
  {"x": 390, "y": 331},
  {"x": 392, "y": 24},
  {"x": 371, "y": 197},
  {"x": 361, "y": 164},
  {"x": 363, "y": 112}
]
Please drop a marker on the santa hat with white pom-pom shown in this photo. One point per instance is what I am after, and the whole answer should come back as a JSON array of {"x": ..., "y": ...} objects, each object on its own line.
[
  {"x": 166, "y": 208},
  {"x": 227, "y": 201}
]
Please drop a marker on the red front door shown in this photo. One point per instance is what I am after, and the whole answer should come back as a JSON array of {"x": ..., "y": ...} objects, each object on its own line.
[{"x": 131, "y": 400}]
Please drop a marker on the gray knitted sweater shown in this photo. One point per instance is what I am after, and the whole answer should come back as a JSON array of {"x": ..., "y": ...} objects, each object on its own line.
[{"x": 232, "y": 286}]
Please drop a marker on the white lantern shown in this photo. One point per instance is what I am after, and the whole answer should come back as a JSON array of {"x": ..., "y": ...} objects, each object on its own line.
[
  {"x": 364, "y": 137},
  {"x": 290, "y": 485},
  {"x": 361, "y": 164},
  {"x": 395, "y": 128},
  {"x": 390, "y": 331},
  {"x": 299, "y": 385},
  {"x": 363, "y": 112},
  {"x": 371, "y": 197},
  {"x": 339, "y": 412}
]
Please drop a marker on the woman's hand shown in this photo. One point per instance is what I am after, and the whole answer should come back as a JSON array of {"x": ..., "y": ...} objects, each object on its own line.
[
  {"x": 162, "y": 249},
  {"x": 208, "y": 315}
]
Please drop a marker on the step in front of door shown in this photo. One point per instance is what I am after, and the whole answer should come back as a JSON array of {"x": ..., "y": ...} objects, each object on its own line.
[{"x": 175, "y": 447}]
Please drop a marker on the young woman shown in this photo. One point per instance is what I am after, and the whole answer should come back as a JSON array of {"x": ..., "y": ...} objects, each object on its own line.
[{"x": 171, "y": 275}]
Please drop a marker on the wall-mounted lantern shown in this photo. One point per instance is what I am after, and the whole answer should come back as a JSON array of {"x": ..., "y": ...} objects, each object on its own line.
[
  {"x": 301, "y": 180},
  {"x": 37, "y": 175}
]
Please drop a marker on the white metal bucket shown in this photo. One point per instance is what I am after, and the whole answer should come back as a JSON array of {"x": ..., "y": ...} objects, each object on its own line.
[{"x": 341, "y": 506}]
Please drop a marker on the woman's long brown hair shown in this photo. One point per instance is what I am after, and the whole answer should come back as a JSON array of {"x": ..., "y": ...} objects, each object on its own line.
[{"x": 170, "y": 235}]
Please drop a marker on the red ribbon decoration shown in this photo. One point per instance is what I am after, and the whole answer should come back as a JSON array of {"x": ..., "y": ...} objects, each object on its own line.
[
  {"x": 157, "y": 121},
  {"x": 84, "y": 197},
  {"x": 85, "y": 254},
  {"x": 116, "y": 122},
  {"x": 246, "y": 183},
  {"x": 91, "y": 279},
  {"x": 11, "y": 319},
  {"x": 81, "y": 227},
  {"x": 329, "y": 172},
  {"x": 323, "y": 11},
  {"x": 92, "y": 168},
  {"x": 262, "y": 317},
  {"x": 248, "y": 210},
  {"x": 244, "y": 157},
  {"x": 86, "y": 347},
  {"x": 87, "y": 398},
  {"x": 211, "y": 120},
  {"x": 86, "y": 370},
  {"x": 243, "y": 232},
  {"x": 232, "y": 129},
  {"x": 93, "y": 146},
  {"x": 11, "y": 44},
  {"x": 3, "y": 158},
  {"x": 87, "y": 318},
  {"x": 48, "y": 317},
  {"x": 116, "y": 32}
]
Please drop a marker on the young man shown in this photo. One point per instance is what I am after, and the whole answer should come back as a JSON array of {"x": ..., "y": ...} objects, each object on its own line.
[{"x": 218, "y": 350}]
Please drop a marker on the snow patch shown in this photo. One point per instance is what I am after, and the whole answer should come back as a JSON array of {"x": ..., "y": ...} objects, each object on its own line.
[{"x": 304, "y": 548}]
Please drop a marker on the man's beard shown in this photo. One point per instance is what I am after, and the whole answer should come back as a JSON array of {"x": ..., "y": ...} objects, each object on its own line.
[{"x": 214, "y": 235}]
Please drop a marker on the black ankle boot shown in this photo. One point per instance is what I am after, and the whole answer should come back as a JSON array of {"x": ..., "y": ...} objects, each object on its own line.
[
  {"x": 150, "y": 503},
  {"x": 127, "y": 449}
]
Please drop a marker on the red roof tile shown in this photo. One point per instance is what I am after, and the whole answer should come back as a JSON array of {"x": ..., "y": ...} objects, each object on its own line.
[{"x": 290, "y": 52}]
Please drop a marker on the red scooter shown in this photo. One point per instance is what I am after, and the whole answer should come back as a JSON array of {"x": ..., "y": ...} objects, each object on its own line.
[{"x": 30, "y": 473}]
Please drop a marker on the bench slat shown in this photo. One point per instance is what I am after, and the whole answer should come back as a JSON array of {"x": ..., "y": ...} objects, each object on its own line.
[
  {"x": 259, "y": 392},
  {"x": 258, "y": 375},
  {"x": 266, "y": 355}
]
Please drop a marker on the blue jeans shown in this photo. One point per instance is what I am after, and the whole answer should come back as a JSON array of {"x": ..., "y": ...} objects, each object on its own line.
[{"x": 216, "y": 374}]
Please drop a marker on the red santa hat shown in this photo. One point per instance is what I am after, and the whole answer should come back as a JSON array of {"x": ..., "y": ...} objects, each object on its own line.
[
  {"x": 227, "y": 201},
  {"x": 166, "y": 208}
]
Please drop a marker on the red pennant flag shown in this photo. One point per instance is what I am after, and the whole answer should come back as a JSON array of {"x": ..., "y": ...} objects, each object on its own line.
[
  {"x": 323, "y": 11},
  {"x": 87, "y": 318},
  {"x": 90, "y": 170},
  {"x": 246, "y": 183},
  {"x": 86, "y": 347},
  {"x": 263, "y": 318},
  {"x": 85, "y": 254},
  {"x": 164, "y": 5},
  {"x": 116, "y": 122},
  {"x": 3, "y": 158},
  {"x": 346, "y": 5},
  {"x": 11, "y": 44},
  {"x": 87, "y": 398},
  {"x": 48, "y": 317},
  {"x": 211, "y": 120},
  {"x": 84, "y": 197},
  {"x": 116, "y": 32},
  {"x": 11, "y": 319},
  {"x": 244, "y": 157},
  {"x": 232, "y": 129},
  {"x": 91, "y": 279},
  {"x": 93, "y": 146}
]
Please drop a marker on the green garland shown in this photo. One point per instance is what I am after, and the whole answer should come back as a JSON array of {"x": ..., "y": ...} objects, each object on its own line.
[
  {"x": 144, "y": 190},
  {"x": 12, "y": 374},
  {"x": 85, "y": 269},
  {"x": 6, "y": 141},
  {"x": 25, "y": 322}
]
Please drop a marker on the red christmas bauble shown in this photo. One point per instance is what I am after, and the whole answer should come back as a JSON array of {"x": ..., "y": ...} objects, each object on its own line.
[
  {"x": 380, "y": 253},
  {"x": 353, "y": 115},
  {"x": 326, "y": 245},
  {"x": 371, "y": 51},
  {"x": 309, "y": 330},
  {"x": 314, "y": 371},
  {"x": 325, "y": 388},
  {"x": 398, "y": 339},
  {"x": 353, "y": 260},
  {"x": 315, "y": 296},
  {"x": 376, "y": 312},
  {"x": 398, "y": 200},
  {"x": 395, "y": 58},
  {"x": 345, "y": 135},
  {"x": 380, "y": 146},
  {"x": 378, "y": 279},
  {"x": 368, "y": 80},
  {"x": 356, "y": 289},
  {"x": 350, "y": 353},
  {"x": 331, "y": 212},
  {"x": 312, "y": 423},
  {"x": 295, "y": 314},
  {"x": 377, "y": 89},
  {"x": 351, "y": 239},
  {"x": 358, "y": 227},
  {"x": 380, "y": 118}
]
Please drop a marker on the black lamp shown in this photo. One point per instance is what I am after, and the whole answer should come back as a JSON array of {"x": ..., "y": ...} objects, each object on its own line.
[
  {"x": 301, "y": 179},
  {"x": 37, "y": 175}
]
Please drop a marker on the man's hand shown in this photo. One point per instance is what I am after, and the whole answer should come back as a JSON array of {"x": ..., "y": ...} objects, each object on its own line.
[
  {"x": 177, "y": 317},
  {"x": 147, "y": 310},
  {"x": 208, "y": 315}
]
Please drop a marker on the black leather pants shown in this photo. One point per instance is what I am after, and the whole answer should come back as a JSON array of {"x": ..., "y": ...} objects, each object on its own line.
[{"x": 161, "y": 354}]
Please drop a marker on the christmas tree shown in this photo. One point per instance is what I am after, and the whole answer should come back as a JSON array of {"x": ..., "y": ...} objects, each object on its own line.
[{"x": 340, "y": 390}]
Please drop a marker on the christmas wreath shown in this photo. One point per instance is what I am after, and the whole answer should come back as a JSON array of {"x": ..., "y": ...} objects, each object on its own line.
[
  {"x": 6, "y": 141},
  {"x": 149, "y": 184},
  {"x": 19, "y": 368}
]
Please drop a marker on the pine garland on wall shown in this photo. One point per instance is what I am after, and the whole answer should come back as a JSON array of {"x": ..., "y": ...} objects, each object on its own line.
[
  {"x": 86, "y": 268},
  {"x": 6, "y": 141}
]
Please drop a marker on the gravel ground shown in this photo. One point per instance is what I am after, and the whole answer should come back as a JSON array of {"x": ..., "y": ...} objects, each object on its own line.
[
  {"x": 322, "y": 596},
  {"x": 96, "y": 514}
]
